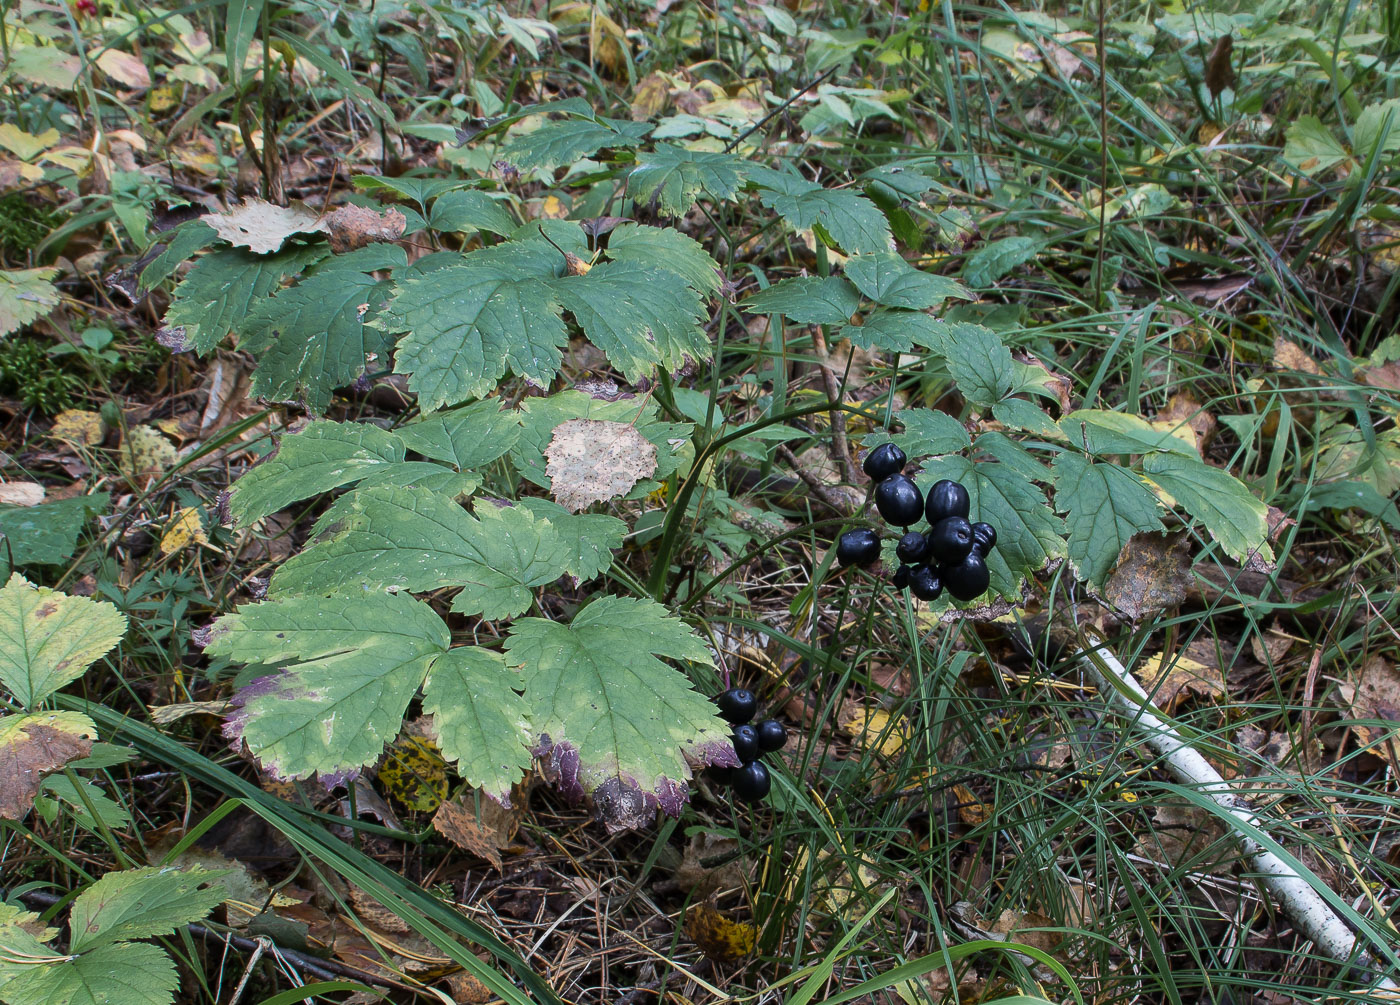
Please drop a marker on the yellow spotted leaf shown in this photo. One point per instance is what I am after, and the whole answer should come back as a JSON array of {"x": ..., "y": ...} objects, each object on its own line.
[
  {"x": 415, "y": 773},
  {"x": 78, "y": 427},
  {"x": 874, "y": 730},
  {"x": 144, "y": 452},
  {"x": 719, "y": 938},
  {"x": 184, "y": 530}
]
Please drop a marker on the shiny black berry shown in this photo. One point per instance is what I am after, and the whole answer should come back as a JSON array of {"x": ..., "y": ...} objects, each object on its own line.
[
  {"x": 745, "y": 740},
  {"x": 969, "y": 579},
  {"x": 924, "y": 582},
  {"x": 899, "y": 500},
  {"x": 883, "y": 461},
  {"x": 945, "y": 499},
  {"x": 771, "y": 736},
  {"x": 901, "y": 576},
  {"x": 752, "y": 782},
  {"x": 912, "y": 548},
  {"x": 950, "y": 540},
  {"x": 984, "y": 538},
  {"x": 737, "y": 705},
  {"x": 858, "y": 547}
]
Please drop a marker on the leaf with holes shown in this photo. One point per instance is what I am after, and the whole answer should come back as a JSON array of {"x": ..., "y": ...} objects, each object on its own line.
[{"x": 610, "y": 716}]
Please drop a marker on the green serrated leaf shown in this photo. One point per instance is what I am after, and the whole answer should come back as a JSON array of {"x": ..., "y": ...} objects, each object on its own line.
[
  {"x": 563, "y": 143},
  {"x": 673, "y": 177},
  {"x": 470, "y": 209},
  {"x": 888, "y": 279},
  {"x": 978, "y": 361},
  {"x": 47, "y": 533},
  {"x": 1106, "y": 505},
  {"x": 639, "y": 317},
  {"x": 81, "y": 800},
  {"x": 540, "y": 417},
  {"x": 992, "y": 261},
  {"x": 665, "y": 248},
  {"x": 419, "y": 190},
  {"x": 184, "y": 241},
  {"x": 1017, "y": 413},
  {"x": 1234, "y": 517},
  {"x": 1099, "y": 431},
  {"x": 610, "y": 712},
  {"x": 321, "y": 457},
  {"x": 48, "y": 638},
  {"x": 362, "y": 659},
  {"x": 481, "y": 723},
  {"x": 225, "y": 285},
  {"x": 591, "y": 538},
  {"x": 414, "y": 539},
  {"x": 468, "y": 437},
  {"x": 1029, "y": 534},
  {"x": 128, "y": 973},
  {"x": 312, "y": 337},
  {"x": 896, "y": 330},
  {"x": 930, "y": 432},
  {"x": 851, "y": 220},
  {"x": 25, "y": 296},
  {"x": 815, "y": 300},
  {"x": 1310, "y": 146},
  {"x": 137, "y": 903},
  {"x": 426, "y": 475},
  {"x": 469, "y": 324}
]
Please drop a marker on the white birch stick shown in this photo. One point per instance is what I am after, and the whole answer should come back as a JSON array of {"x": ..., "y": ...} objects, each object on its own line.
[{"x": 1313, "y": 915}]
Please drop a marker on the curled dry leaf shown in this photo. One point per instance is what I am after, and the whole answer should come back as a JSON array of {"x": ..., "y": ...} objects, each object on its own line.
[
  {"x": 484, "y": 834},
  {"x": 32, "y": 746},
  {"x": 718, "y": 937},
  {"x": 1152, "y": 574},
  {"x": 352, "y": 227},
  {"x": 591, "y": 460},
  {"x": 263, "y": 227}
]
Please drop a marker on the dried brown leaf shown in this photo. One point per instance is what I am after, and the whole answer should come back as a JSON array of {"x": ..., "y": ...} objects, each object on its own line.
[
  {"x": 590, "y": 460},
  {"x": 32, "y": 746},
  {"x": 1152, "y": 574},
  {"x": 352, "y": 227},
  {"x": 261, "y": 226}
]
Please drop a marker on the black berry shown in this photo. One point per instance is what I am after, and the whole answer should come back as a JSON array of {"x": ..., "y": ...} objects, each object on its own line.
[
  {"x": 737, "y": 705},
  {"x": 950, "y": 540},
  {"x": 745, "y": 743},
  {"x": 924, "y": 582},
  {"x": 968, "y": 579},
  {"x": 912, "y": 548},
  {"x": 901, "y": 576},
  {"x": 771, "y": 736},
  {"x": 752, "y": 782},
  {"x": 883, "y": 461},
  {"x": 858, "y": 547},
  {"x": 899, "y": 500},
  {"x": 945, "y": 499},
  {"x": 984, "y": 538}
]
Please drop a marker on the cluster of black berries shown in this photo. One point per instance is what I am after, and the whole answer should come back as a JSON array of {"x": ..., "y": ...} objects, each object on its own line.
[
  {"x": 951, "y": 555},
  {"x": 750, "y": 779}
]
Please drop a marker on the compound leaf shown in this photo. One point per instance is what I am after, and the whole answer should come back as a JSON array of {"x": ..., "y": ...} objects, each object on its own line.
[
  {"x": 318, "y": 458},
  {"x": 590, "y": 538},
  {"x": 808, "y": 300},
  {"x": 571, "y": 140},
  {"x": 895, "y": 330},
  {"x": 673, "y": 176},
  {"x": 225, "y": 285},
  {"x": 888, "y": 279},
  {"x": 312, "y": 338},
  {"x": 361, "y": 660},
  {"x": 1103, "y": 432},
  {"x": 137, "y": 903},
  {"x": 481, "y": 723},
  {"x": 612, "y": 718},
  {"x": 1229, "y": 510},
  {"x": 850, "y": 220},
  {"x": 665, "y": 248},
  {"x": 48, "y": 639},
  {"x": 1106, "y": 505}
]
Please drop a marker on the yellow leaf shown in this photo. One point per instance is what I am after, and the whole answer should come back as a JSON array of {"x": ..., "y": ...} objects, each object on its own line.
[
  {"x": 414, "y": 773},
  {"x": 872, "y": 729},
  {"x": 719, "y": 938},
  {"x": 26, "y": 146},
  {"x": 78, "y": 427},
  {"x": 144, "y": 452},
  {"x": 184, "y": 530}
]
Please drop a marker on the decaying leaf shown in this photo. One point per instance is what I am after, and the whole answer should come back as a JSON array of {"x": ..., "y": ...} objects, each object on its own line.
[
  {"x": 185, "y": 529},
  {"x": 263, "y": 227},
  {"x": 32, "y": 746},
  {"x": 1171, "y": 681},
  {"x": 1220, "y": 70},
  {"x": 873, "y": 730},
  {"x": 1290, "y": 356},
  {"x": 480, "y": 825},
  {"x": 591, "y": 460},
  {"x": 144, "y": 453},
  {"x": 80, "y": 428},
  {"x": 415, "y": 773},
  {"x": 718, "y": 937},
  {"x": 1373, "y": 694},
  {"x": 124, "y": 68},
  {"x": 352, "y": 227},
  {"x": 1152, "y": 574}
]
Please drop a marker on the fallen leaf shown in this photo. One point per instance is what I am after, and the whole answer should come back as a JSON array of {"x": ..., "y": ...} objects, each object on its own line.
[
  {"x": 1220, "y": 69},
  {"x": 1184, "y": 410},
  {"x": 78, "y": 427},
  {"x": 1290, "y": 356},
  {"x": 414, "y": 773},
  {"x": 700, "y": 872},
  {"x": 1170, "y": 682},
  {"x": 352, "y": 227},
  {"x": 590, "y": 460},
  {"x": 124, "y": 68},
  {"x": 1373, "y": 693},
  {"x": 164, "y": 715},
  {"x": 21, "y": 493},
  {"x": 262, "y": 227},
  {"x": 26, "y": 146},
  {"x": 184, "y": 530},
  {"x": 485, "y": 833},
  {"x": 32, "y": 746},
  {"x": 872, "y": 729},
  {"x": 1270, "y": 647},
  {"x": 1153, "y": 573},
  {"x": 1016, "y": 927},
  {"x": 719, "y": 938},
  {"x": 144, "y": 453},
  {"x": 650, "y": 96}
]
